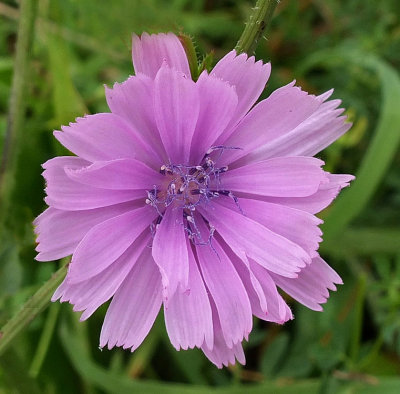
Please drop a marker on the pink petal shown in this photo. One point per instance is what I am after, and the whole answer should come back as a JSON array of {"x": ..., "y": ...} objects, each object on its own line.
[
  {"x": 266, "y": 303},
  {"x": 220, "y": 353},
  {"x": 133, "y": 100},
  {"x": 250, "y": 282},
  {"x": 100, "y": 137},
  {"x": 88, "y": 295},
  {"x": 188, "y": 316},
  {"x": 247, "y": 238},
  {"x": 218, "y": 101},
  {"x": 134, "y": 307},
  {"x": 62, "y": 161},
  {"x": 277, "y": 177},
  {"x": 107, "y": 241},
  {"x": 277, "y": 310},
  {"x": 311, "y": 136},
  {"x": 229, "y": 294},
  {"x": 117, "y": 174},
  {"x": 59, "y": 232},
  {"x": 170, "y": 251},
  {"x": 150, "y": 51},
  {"x": 249, "y": 79},
  {"x": 315, "y": 203},
  {"x": 280, "y": 113},
  {"x": 311, "y": 287},
  {"x": 177, "y": 106},
  {"x": 64, "y": 193},
  {"x": 326, "y": 273},
  {"x": 298, "y": 226}
]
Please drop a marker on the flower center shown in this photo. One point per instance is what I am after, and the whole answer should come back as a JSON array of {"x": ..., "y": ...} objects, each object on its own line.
[{"x": 186, "y": 187}]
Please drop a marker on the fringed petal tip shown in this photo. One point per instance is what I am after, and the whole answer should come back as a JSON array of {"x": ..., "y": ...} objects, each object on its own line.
[
  {"x": 250, "y": 60},
  {"x": 149, "y": 51},
  {"x": 221, "y": 355},
  {"x": 345, "y": 179},
  {"x": 312, "y": 286},
  {"x": 324, "y": 96}
]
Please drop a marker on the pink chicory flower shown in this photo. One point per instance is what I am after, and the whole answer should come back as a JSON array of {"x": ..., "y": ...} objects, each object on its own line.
[{"x": 191, "y": 197}]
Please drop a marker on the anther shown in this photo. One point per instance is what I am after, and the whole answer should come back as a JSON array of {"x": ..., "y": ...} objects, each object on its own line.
[
  {"x": 210, "y": 151},
  {"x": 209, "y": 162},
  {"x": 221, "y": 170}
]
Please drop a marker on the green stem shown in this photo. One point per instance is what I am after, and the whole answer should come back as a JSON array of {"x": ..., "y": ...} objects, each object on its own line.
[
  {"x": 36, "y": 304},
  {"x": 18, "y": 101},
  {"x": 44, "y": 341},
  {"x": 256, "y": 26}
]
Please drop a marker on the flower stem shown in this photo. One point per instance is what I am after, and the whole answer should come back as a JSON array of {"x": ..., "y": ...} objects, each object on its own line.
[
  {"x": 256, "y": 26},
  {"x": 36, "y": 304},
  {"x": 18, "y": 101}
]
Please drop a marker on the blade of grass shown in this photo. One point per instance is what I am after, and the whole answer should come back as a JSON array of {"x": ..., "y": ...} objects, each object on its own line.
[
  {"x": 380, "y": 153},
  {"x": 363, "y": 241},
  {"x": 78, "y": 39},
  {"x": 44, "y": 340},
  {"x": 67, "y": 102},
  {"x": 16, "y": 113},
  {"x": 383, "y": 146},
  {"x": 358, "y": 320},
  {"x": 36, "y": 304}
]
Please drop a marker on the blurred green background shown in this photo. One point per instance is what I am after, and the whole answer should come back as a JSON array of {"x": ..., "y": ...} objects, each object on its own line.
[{"x": 76, "y": 47}]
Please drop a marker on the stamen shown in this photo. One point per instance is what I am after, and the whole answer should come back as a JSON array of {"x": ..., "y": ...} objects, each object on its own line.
[{"x": 189, "y": 187}]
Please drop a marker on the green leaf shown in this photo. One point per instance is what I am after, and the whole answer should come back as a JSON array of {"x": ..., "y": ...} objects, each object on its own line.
[
  {"x": 67, "y": 102},
  {"x": 11, "y": 273},
  {"x": 190, "y": 49},
  {"x": 380, "y": 153},
  {"x": 36, "y": 304},
  {"x": 363, "y": 241}
]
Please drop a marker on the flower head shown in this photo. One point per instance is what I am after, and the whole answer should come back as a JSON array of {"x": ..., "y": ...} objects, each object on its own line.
[{"x": 191, "y": 197}]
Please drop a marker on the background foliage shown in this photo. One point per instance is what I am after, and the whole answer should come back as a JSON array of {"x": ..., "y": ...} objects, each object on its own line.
[{"x": 354, "y": 346}]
